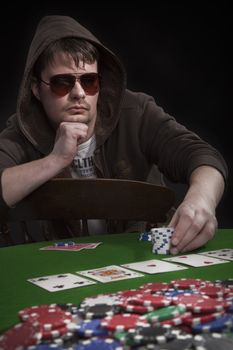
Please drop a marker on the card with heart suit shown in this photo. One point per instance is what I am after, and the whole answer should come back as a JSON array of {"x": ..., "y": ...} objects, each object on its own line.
[
  {"x": 196, "y": 260},
  {"x": 225, "y": 254},
  {"x": 154, "y": 266},
  {"x": 110, "y": 274},
  {"x": 72, "y": 248},
  {"x": 54, "y": 283}
]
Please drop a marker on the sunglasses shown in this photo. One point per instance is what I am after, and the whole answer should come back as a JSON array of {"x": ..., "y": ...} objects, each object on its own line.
[{"x": 62, "y": 84}]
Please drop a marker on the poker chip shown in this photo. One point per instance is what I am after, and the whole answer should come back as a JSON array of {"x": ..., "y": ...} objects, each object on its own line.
[
  {"x": 212, "y": 342},
  {"x": 137, "y": 309},
  {"x": 108, "y": 299},
  {"x": 156, "y": 301},
  {"x": 182, "y": 342},
  {"x": 99, "y": 344},
  {"x": 20, "y": 336},
  {"x": 213, "y": 291},
  {"x": 193, "y": 321},
  {"x": 187, "y": 283},
  {"x": 98, "y": 311},
  {"x": 64, "y": 244},
  {"x": 123, "y": 322},
  {"x": 188, "y": 299},
  {"x": 151, "y": 334},
  {"x": 228, "y": 283},
  {"x": 91, "y": 328},
  {"x": 155, "y": 287},
  {"x": 161, "y": 240},
  {"x": 217, "y": 325},
  {"x": 210, "y": 305},
  {"x": 145, "y": 236},
  {"x": 45, "y": 347},
  {"x": 165, "y": 313}
]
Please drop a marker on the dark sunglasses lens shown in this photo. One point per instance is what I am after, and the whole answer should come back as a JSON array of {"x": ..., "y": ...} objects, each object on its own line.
[
  {"x": 90, "y": 83},
  {"x": 62, "y": 85}
]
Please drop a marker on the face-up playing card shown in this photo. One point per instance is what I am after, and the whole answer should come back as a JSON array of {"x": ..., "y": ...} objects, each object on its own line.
[
  {"x": 154, "y": 266},
  {"x": 225, "y": 254},
  {"x": 72, "y": 248},
  {"x": 196, "y": 260},
  {"x": 110, "y": 273},
  {"x": 54, "y": 283}
]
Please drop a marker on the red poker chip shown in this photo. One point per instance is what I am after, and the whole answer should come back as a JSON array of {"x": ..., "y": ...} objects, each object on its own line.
[
  {"x": 188, "y": 299},
  {"x": 194, "y": 321},
  {"x": 33, "y": 311},
  {"x": 213, "y": 291},
  {"x": 129, "y": 293},
  {"x": 155, "y": 287},
  {"x": 20, "y": 336},
  {"x": 188, "y": 283},
  {"x": 137, "y": 309},
  {"x": 176, "y": 321},
  {"x": 210, "y": 305},
  {"x": 56, "y": 333},
  {"x": 123, "y": 322},
  {"x": 49, "y": 318},
  {"x": 156, "y": 301}
]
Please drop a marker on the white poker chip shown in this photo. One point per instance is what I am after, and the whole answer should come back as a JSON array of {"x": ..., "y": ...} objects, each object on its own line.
[
  {"x": 107, "y": 299},
  {"x": 161, "y": 239}
]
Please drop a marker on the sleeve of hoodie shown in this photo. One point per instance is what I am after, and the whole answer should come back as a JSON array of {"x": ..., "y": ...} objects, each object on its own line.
[
  {"x": 14, "y": 150},
  {"x": 176, "y": 150}
]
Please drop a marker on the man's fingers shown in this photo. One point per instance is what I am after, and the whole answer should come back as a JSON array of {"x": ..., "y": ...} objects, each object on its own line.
[{"x": 206, "y": 234}]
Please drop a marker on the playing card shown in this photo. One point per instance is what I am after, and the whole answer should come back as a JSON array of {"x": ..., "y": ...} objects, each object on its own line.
[
  {"x": 72, "y": 248},
  {"x": 196, "y": 260},
  {"x": 154, "y": 266},
  {"x": 54, "y": 283},
  {"x": 110, "y": 273},
  {"x": 225, "y": 254}
]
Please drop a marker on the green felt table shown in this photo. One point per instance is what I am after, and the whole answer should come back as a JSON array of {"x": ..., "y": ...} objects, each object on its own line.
[{"x": 21, "y": 262}]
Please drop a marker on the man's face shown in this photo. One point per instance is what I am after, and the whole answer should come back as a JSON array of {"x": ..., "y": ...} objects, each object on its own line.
[{"x": 76, "y": 105}]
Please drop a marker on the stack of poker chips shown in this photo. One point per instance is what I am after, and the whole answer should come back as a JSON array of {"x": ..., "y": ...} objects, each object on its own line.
[
  {"x": 161, "y": 239},
  {"x": 181, "y": 314}
]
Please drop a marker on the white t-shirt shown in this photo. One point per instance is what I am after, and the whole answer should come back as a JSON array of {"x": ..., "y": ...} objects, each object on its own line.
[{"x": 83, "y": 166}]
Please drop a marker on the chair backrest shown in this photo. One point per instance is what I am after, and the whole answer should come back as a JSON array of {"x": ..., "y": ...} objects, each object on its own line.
[{"x": 95, "y": 199}]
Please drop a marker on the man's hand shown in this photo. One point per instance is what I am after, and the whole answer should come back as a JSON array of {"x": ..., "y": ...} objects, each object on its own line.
[
  {"x": 194, "y": 220},
  {"x": 68, "y": 137}
]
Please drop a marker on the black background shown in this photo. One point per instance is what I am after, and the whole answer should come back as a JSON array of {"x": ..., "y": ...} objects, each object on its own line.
[{"x": 177, "y": 51}]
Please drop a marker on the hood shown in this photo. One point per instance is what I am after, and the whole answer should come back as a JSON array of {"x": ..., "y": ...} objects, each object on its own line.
[{"x": 30, "y": 114}]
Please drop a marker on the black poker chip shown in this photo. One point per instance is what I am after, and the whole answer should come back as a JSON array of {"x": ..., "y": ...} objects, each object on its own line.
[
  {"x": 213, "y": 341},
  {"x": 180, "y": 343},
  {"x": 226, "y": 283},
  {"x": 99, "y": 311},
  {"x": 151, "y": 334}
]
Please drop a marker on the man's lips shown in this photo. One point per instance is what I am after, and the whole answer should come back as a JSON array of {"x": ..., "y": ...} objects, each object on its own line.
[{"x": 77, "y": 109}]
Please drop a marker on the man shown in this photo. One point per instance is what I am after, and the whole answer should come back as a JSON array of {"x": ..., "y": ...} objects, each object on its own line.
[{"x": 75, "y": 118}]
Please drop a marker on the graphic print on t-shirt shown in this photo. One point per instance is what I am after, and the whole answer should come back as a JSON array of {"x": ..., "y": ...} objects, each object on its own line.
[{"x": 83, "y": 163}]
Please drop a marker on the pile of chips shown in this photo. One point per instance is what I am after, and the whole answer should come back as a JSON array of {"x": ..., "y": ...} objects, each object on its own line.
[
  {"x": 160, "y": 238},
  {"x": 181, "y": 314}
]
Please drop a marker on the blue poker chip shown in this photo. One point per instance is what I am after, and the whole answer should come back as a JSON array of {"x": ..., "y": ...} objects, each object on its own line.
[
  {"x": 91, "y": 328},
  {"x": 145, "y": 236},
  {"x": 99, "y": 344},
  {"x": 175, "y": 292},
  {"x": 218, "y": 325},
  {"x": 64, "y": 244},
  {"x": 45, "y": 347}
]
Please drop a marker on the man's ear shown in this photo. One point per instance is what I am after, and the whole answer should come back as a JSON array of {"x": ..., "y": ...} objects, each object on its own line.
[{"x": 35, "y": 88}]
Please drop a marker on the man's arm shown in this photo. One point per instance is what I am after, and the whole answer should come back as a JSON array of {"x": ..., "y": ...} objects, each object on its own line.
[
  {"x": 194, "y": 220},
  {"x": 21, "y": 180}
]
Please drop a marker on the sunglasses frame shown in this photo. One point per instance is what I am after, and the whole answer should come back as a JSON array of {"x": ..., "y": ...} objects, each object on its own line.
[{"x": 69, "y": 81}]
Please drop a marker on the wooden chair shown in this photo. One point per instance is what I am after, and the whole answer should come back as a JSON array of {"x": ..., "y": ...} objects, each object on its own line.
[{"x": 74, "y": 199}]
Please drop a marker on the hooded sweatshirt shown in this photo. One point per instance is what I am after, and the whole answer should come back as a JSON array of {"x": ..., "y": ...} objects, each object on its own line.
[{"x": 134, "y": 136}]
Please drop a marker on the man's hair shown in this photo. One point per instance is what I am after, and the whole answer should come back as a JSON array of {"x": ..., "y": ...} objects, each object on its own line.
[{"x": 78, "y": 49}]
